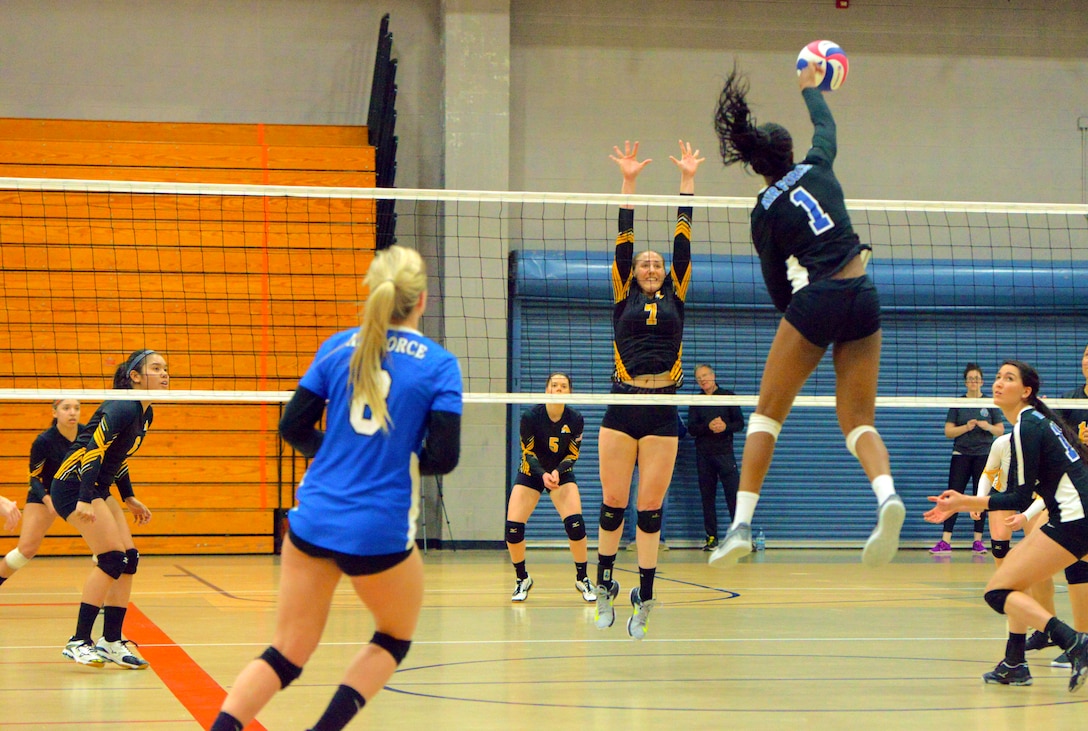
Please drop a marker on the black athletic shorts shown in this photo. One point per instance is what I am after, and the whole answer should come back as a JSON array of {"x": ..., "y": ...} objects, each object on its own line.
[
  {"x": 66, "y": 495},
  {"x": 835, "y": 311},
  {"x": 35, "y": 495},
  {"x": 349, "y": 564},
  {"x": 642, "y": 421},
  {"x": 536, "y": 482},
  {"x": 1072, "y": 536}
]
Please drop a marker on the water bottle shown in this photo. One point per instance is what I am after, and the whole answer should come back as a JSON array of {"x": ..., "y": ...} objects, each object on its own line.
[{"x": 760, "y": 540}]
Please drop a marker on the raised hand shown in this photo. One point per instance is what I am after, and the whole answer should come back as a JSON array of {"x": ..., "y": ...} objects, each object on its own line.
[
  {"x": 628, "y": 160},
  {"x": 689, "y": 161},
  {"x": 806, "y": 77}
]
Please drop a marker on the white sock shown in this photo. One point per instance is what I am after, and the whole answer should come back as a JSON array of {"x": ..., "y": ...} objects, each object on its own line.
[
  {"x": 883, "y": 488},
  {"x": 746, "y": 508}
]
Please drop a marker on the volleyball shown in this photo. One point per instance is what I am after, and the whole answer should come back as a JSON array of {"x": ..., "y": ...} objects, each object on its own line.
[{"x": 831, "y": 63}]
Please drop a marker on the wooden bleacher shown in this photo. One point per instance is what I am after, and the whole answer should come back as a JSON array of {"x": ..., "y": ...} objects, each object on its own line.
[{"x": 236, "y": 293}]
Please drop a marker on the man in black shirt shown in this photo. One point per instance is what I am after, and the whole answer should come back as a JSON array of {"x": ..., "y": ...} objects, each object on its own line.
[{"x": 713, "y": 427}]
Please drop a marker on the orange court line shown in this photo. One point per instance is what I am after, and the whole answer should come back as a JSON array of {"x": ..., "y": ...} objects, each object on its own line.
[{"x": 196, "y": 690}]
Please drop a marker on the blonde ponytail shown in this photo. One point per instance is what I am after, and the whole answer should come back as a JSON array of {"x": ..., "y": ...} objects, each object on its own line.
[{"x": 396, "y": 279}]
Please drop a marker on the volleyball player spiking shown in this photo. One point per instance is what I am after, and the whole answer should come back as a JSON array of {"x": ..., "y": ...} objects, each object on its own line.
[
  {"x": 46, "y": 453},
  {"x": 814, "y": 268},
  {"x": 648, "y": 331},
  {"x": 551, "y": 440},
  {"x": 392, "y": 402},
  {"x": 81, "y": 495}
]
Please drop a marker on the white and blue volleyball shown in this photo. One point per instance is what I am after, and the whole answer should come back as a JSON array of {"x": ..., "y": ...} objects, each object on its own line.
[{"x": 830, "y": 60}]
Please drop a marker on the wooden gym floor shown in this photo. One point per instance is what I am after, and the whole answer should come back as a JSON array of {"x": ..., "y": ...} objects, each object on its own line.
[{"x": 789, "y": 639}]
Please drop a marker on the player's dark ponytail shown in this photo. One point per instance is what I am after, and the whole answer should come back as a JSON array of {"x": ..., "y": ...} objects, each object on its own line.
[
  {"x": 766, "y": 149},
  {"x": 1030, "y": 378}
]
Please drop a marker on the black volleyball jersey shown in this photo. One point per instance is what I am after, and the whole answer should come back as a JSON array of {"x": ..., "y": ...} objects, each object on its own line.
[
  {"x": 548, "y": 445},
  {"x": 800, "y": 227},
  {"x": 1044, "y": 462},
  {"x": 98, "y": 456},
  {"x": 1076, "y": 418},
  {"x": 46, "y": 454},
  {"x": 648, "y": 332}
]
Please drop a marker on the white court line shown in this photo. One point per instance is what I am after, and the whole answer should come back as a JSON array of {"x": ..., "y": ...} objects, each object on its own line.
[
  {"x": 572, "y": 641},
  {"x": 686, "y": 587}
]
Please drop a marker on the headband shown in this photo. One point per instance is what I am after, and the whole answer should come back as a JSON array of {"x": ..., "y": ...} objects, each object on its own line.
[{"x": 136, "y": 359}]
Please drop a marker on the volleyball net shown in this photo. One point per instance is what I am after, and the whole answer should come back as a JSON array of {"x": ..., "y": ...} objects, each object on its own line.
[{"x": 238, "y": 285}]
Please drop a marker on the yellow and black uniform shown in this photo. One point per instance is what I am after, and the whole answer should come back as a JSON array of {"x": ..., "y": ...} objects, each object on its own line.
[
  {"x": 46, "y": 454},
  {"x": 648, "y": 331},
  {"x": 548, "y": 445},
  {"x": 97, "y": 458}
]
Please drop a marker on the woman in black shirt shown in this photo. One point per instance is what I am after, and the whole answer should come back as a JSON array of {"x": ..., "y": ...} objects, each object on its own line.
[
  {"x": 648, "y": 329},
  {"x": 1047, "y": 459},
  {"x": 81, "y": 495},
  {"x": 46, "y": 454},
  {"x": 814, "y": 268}
]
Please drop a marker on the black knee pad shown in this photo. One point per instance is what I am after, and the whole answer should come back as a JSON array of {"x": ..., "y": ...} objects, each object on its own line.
[
  {"x": 996, "y": 598},
  {"x": 397, "y": 648},
  {"x": 515, "y": 532},
  {"x": 112, "y": 563},
  {"x": 575, "y": 526},
  {"x": 132, "y": 557},
  {"x": 1000, "y": 549},
  {"x": 611, "y": 518},
  {"x": 286, "y": 670},
  {"x": 649, "y": 521},
  {"x": 1077, "y": 573}
]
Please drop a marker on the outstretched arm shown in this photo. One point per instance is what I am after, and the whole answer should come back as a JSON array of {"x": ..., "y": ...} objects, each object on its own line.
[
  {"x": 681, "y": 244},
  {"x": 824, "y": 142},
  {"x": 630, "y": 165}
]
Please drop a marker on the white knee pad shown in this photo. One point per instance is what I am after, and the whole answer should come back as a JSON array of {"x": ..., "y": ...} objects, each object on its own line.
[
  {"x": 853, "y": 437},
  {"x": 767, "y": 425},
  {"x": 16, "y": 560}
]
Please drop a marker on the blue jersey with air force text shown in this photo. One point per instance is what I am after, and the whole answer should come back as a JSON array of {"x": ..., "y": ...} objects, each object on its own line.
[{"x": 360, "y": 495}]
